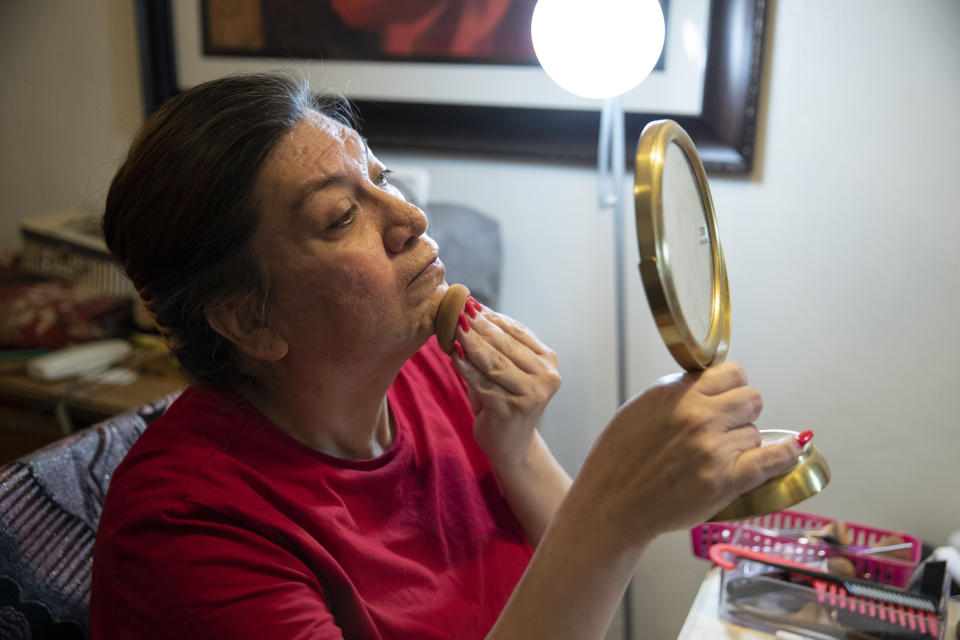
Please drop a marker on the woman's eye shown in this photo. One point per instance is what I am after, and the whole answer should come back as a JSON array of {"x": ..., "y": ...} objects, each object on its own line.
[
  {"x": 344, "y": 221},
  {"x": 383, "y": 179}
]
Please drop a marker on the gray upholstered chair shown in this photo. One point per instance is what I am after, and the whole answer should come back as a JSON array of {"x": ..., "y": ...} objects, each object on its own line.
[
  {"x": 470, "y": 244},
  {"x": 470, "y": 248},
  {"x": 50, "y": 504}
]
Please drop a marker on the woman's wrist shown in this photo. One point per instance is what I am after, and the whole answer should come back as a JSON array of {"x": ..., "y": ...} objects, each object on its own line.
[{"x": 609, "y": 518}]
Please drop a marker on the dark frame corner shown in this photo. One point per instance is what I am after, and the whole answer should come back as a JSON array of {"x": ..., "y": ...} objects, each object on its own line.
[{"x": 724, "y": 132}]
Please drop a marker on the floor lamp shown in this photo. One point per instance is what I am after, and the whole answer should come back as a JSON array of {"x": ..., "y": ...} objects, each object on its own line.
[{"x": 601, "y": 50}]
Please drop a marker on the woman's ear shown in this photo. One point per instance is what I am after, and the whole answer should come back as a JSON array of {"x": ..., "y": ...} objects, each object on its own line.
[{"x": 235, "y": 321}]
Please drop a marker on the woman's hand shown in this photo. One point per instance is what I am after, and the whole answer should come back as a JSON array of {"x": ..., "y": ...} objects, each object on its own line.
[
  {"x": 670, "y": 458},
  {"x": 679, "y": 452},
  {"x": 511, "y": 376}
]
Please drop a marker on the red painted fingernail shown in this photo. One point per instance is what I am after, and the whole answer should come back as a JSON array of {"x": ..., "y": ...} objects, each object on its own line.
[
  {"x": 459, "y": 349},
  {"x": 476, "y": 305},
  {"x": 804, "y": 438},
  {"x": 469, "y": 309},
  {"x": 462, "y": 319}
]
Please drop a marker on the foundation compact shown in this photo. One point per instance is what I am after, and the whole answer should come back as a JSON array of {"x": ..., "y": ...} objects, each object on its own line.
[{"x": 684, "y": 277}]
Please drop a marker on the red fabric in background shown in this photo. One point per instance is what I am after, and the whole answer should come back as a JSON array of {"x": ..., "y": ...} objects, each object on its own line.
[
  {"x": 219, "y": 525},
  {"x": 36, "y": 313},
  {"x": 445, "y": 28}
]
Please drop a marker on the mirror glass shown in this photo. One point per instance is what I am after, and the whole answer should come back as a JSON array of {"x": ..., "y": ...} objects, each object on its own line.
[{"x": 687, "y": 239}]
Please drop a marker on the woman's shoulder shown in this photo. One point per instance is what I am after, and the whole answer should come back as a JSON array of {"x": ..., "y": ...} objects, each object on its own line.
[
  {"x": 163, "y": 462},
  {"x": 199, "y": 420}
]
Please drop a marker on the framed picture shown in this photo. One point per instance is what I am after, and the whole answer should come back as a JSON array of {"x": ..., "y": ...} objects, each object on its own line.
[
  {"x": 481, "y": 101},
  {"x": 465, "y": 31}
]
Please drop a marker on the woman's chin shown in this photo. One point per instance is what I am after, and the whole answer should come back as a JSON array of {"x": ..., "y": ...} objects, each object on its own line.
[
  {"x": 438, "y": 295},
  {"x": 423, "y": 323}
]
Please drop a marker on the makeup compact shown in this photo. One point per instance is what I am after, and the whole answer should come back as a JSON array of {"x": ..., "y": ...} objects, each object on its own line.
[{"x": 684, "y": 277}]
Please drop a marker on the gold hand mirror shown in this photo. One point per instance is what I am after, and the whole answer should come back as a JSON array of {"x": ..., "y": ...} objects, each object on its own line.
[{"x": 685, "y": 278}]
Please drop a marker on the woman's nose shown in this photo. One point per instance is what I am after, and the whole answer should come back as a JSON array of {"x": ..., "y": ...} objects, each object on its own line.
[{"x": 404, "y": 223}]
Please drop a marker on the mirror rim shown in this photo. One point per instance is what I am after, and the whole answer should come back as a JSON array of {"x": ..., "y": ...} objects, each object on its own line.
[{"x": 655, "y": 269}]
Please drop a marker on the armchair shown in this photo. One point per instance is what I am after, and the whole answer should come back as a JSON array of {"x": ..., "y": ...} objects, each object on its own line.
[{"x": 50, "y": 504}]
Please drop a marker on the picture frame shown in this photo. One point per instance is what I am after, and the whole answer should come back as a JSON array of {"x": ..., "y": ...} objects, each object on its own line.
[
  {"x": 251, "y": 36},
  {"x": 724, "y": 130}
]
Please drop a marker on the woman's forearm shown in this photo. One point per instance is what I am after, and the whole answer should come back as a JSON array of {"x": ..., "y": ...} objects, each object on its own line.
[
  {"x": 534, "y": 486},
  {"x": 511, "y": 377},
  {"x": 575, "y": 580}
]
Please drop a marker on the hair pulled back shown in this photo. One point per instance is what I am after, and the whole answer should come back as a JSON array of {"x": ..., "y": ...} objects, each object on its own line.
[{"x": 180, "y": 214}]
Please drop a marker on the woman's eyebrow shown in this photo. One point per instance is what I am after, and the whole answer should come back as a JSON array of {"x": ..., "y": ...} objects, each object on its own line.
[
  {"x": 334, "y": 180},
  {"x": 308, "y": 189}
]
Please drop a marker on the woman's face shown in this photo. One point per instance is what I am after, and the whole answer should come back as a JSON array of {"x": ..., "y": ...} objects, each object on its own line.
[{"x": 353, "y": 276}]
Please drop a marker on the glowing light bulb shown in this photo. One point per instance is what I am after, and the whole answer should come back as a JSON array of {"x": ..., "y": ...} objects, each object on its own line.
[{"x": 597, "y": 49}]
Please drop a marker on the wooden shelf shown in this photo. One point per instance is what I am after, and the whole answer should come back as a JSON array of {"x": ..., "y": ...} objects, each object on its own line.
[{"x": 28, "y": 407}]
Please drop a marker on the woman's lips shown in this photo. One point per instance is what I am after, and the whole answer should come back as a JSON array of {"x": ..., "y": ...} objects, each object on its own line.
[{"x": 432, "y": 268}]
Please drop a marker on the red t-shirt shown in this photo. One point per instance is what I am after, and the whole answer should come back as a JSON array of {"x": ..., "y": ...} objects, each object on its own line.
[{"x": 220, "y": 525}]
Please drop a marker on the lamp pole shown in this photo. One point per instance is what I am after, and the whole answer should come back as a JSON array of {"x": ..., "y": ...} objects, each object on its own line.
[
  {"x": 611, "y": 169},
  {"x": 619, "y": 42}
]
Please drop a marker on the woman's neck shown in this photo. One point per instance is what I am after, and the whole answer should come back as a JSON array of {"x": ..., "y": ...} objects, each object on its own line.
[{"x": 338, "y": 414}]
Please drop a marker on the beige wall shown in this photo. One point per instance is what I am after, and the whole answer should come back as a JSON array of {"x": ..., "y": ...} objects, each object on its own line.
[
  {"x": 71, "y": 100},
  {"x": 845, "y": 268},
  {"x": 842, "y": 249}
]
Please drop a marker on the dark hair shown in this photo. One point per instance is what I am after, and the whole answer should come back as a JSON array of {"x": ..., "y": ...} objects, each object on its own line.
[{"x": 180, "y": 214}]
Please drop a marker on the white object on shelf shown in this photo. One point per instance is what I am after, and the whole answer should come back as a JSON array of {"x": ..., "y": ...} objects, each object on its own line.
[
  {"x": 116, "y": 376},
  {"x": 78, "y": 360}
]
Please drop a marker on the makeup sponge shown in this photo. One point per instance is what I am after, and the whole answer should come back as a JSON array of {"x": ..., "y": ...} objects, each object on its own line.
[{"x": 451, "y": 305}]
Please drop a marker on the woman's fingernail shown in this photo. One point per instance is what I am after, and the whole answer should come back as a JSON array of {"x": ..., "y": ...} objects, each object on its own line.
[
  {"x": 459, "y": 349},
  {"x": 469, "y": 309},
  {"x": 476, "y": 305},
  {"x": 804, "y": 438},
  {"x": 462, "y": 319}
]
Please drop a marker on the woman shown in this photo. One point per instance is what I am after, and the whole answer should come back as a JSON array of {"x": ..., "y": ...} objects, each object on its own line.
[{"x": 331, "y": 473}]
